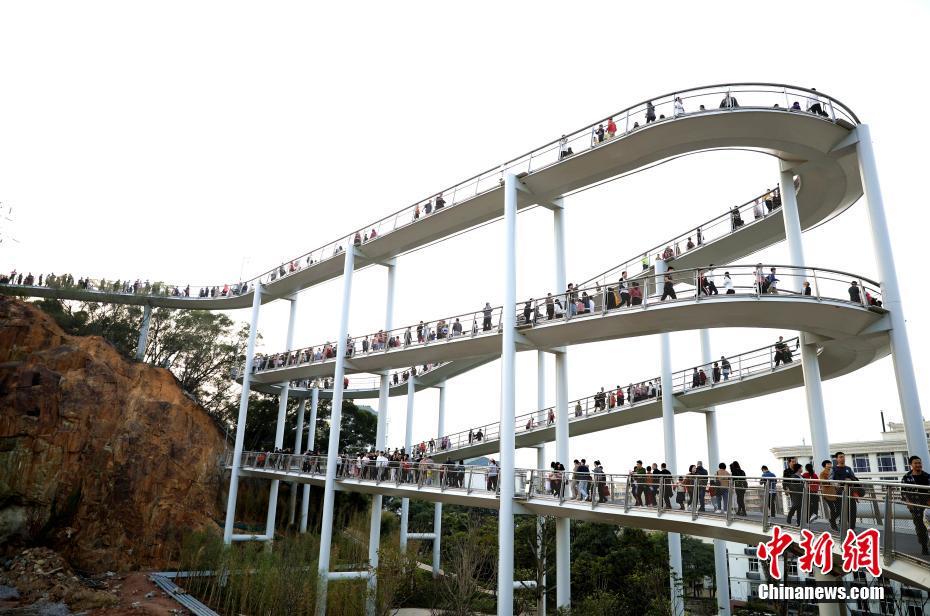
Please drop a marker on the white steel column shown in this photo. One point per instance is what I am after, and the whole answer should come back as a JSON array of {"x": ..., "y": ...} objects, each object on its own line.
[
  {"x": 243, "y": 414},
  {"x": 541, "y": 419},
  {"x": 298, "y": 444},
  {"x": 408, "y": 448},
  {"x": 813, "y": 390},
  {"x": 374, "y": 533},
  {"x": 144, "y": 332},
  {"x": 505, "y": 530},
  {"x": 335, "y": 425},
  {"x": 671, "y": 457},
  {"x": 311, "y": 443},
  {"x": 891, "y": 299},
  {"x": 563, "y": 528},
  {"x": 713, "y": 458},
  {"x": 279, "y": 428},
  {"x": 437, "y": 508}
]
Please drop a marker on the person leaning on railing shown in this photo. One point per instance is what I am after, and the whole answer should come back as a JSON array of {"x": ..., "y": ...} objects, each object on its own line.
[{"x": 919, "y": 500}]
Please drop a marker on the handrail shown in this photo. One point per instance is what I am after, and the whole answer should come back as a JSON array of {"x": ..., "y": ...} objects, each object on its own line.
[
  {"x": 745, "y": 280},
  {"x": 614, "y": 399},
  {"x": 397, "y": 377},
  {"x": 552, "y": 153},
  {"x": 818, "y": 505}
]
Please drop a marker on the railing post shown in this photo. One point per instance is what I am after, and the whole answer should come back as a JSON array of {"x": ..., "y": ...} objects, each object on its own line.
[
  {"x": 888, "y": 528},
  {"x": 766, "y": 497},
  {"x": 694, "y": 496},
  {"x": 731, "y": 496},
  {"x": 627, "y": 493},
  {"x": 471, "y": 470},
  {"x": 805, "y": 504},
  {"x": 660, "y": 502},
  {"x": 816, "y": 284},
  {"x": 844, "y": 511}
]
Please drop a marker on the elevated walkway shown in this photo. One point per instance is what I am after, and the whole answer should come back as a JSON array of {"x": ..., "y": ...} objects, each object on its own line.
[{"x": 882, "y": 507}]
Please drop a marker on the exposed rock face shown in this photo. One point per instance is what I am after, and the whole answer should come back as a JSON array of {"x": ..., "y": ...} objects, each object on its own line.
[{"x": 104, "y": 457}]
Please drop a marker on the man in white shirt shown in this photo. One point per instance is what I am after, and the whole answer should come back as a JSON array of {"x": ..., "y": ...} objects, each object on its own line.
[
  {"x": 813, "y": 103},
  {"x": 381, "y": 461}
]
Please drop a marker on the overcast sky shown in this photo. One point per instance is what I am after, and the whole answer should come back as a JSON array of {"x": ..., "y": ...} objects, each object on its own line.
[{"x": 192, "y": 142}]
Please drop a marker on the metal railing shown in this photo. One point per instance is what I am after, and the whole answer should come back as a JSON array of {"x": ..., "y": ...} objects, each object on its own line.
[
  {"x": 735, "y": 219},
  {"x": 673, "y": 106},
  {"x": 735, "y": 368},
  {"x": 355, "y": 383},
  {"x": 700, "y": 284},
  {"x": 897, "y": 510}
]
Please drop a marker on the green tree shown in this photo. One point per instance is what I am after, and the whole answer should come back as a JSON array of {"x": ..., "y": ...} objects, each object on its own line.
[{"x": 201, "y": 349}]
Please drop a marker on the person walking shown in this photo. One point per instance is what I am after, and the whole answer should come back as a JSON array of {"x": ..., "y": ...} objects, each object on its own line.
[
  {"x": 792, "y": 484},
  {"x": 842, "y": 474},
  {"x": 739, "y": 486},
  {"x": 492, "y": 476},
  {"x": 723, "y": 487},
  {"x": 681, "y": 489},
  {"x": 668, "y": 288},
  {"x": 701, "y": 473},
  {"x": 488, "y": 311},
  {"x": 813, "y": 485},
  {"x": 769, "y": 485},
  {"x": 650, "y": 112},
  {"x": 667, "y": 482},
  {"x": 828, "y": 493},
  {"x": 918, "y": 500}
]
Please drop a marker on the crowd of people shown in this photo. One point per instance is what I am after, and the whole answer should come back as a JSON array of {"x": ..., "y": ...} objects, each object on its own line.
[
  {"x": 126, "y": 287},
  {"x": 645, "y": 485},
  {"x": 616, "y": 397}
]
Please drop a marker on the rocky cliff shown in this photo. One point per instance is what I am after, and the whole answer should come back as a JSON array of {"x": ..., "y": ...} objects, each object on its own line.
[{"x": 101, "y": 458}]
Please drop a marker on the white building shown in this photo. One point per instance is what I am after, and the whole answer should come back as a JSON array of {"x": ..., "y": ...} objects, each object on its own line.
[{"x": 882, "y": 459}]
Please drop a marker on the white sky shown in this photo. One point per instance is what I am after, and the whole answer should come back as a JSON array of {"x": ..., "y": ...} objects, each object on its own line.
[{"x": 188, "y": 142}]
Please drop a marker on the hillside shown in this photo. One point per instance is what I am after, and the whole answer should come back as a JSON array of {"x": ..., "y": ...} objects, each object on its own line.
[{"x": 103, "y": 459}]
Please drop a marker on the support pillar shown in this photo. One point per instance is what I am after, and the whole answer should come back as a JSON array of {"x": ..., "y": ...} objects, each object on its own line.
[
  {"x": 243, "y": 415},
  {"x": 563, "y": 529},
  {"x": 298, "y": 444},
  {"x": 810, "y": 365},
  {"x": 311, "y": 443},
  {"x": 671, "y": 457},
  {"x": 374, "y": 532},
  {"x": 144, "y": 332},
  {"x": 279, "y": 428},
  {"x": 408, "y": 449},
  {"x": 437, "y": 508},
  {"x": 891, "y": 299},
  {"x": 721, "y": 570},
  {"x": 335, "y": 425},
  {"x": 541, "y": 466},
  {"x": 505, "y": 529},
  {"x": 813, "y": 390}
]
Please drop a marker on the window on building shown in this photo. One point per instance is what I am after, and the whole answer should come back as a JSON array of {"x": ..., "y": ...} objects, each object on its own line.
[
  {"x": 861, "y": 463},
  {"x": 914, "y": 610},
  {"x": 754, "y": 564},
  {"x": 792, "y": 567},
  {"x": 886, "y": 463}
]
